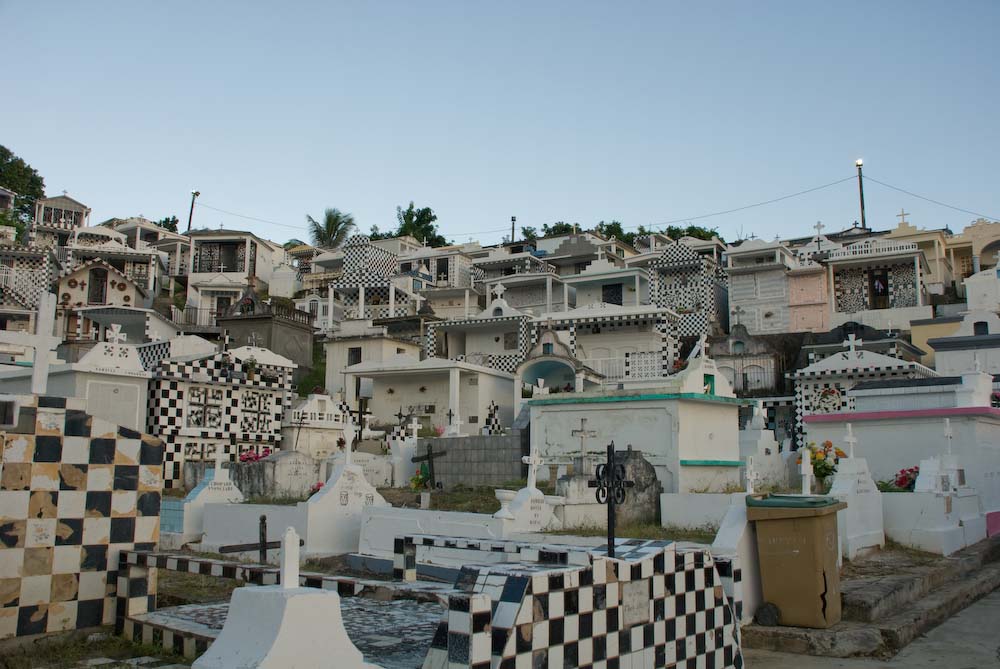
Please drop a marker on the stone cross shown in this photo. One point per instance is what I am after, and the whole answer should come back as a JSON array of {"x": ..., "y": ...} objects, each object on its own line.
[
  {"x": 253, "y": 339},
  {"x": 852, "y": 343},
  {"x": 534, "y": 461},
  {"x": 737, "y": 312},
  {"x": 414, "y": 426},
  {"x": 807, "y": 470},
  {"x": 819, "y": 229},
  {"x": 290, "y": 559},
  {"x": 499, "y": 290},
  {"x": 850, "y": 440},
  {"x": 752, "y": 474},
  {"x": 948, "y": 433},
  {"x": 703, "y": 345},
  {"x": 584, "y": 434},
  {"x": 902, "y": 216},
  {"x": 220, "y": 453},
  {"x": 41, "y": 341},
  {"x": 115, "y": 336}
]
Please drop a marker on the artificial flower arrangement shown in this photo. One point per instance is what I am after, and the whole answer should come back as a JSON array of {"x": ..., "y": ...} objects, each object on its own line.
[
  {"x": 251, "y": 456},
  {"x": 824, "y": 459}
]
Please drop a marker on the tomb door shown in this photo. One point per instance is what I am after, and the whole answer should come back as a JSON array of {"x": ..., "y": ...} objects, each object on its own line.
[
  {"x": 878, "y": 288},
  {"x": 97, "y": 286}
]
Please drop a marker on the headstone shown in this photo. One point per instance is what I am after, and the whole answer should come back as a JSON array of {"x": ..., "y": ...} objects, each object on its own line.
[
  {"x": 377, "y": 469},
  {"x": 860, "y": 525},
  {"x": 806, "y": 469},
  {"x": 216, "y": 487},
  {"x": 530, "y": 510},
  {"x": 333, "y": 515}
]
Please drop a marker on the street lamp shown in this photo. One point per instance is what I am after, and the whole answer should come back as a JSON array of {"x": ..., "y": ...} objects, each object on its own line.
[
  {"x": 194, "y": 194},
  {"x": 861, "y": 190}
]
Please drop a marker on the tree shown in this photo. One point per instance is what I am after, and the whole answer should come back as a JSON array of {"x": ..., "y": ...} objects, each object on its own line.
[
  {"x": 168, "y": 223},
  {"x": 292, "y": 243},
  {"x": 10, "y": 218},
  {"x": 375, "y": 234},
  {"x": 23, "y": 179},
  {"x": 419, "y": 223},
  {"x": 558, "y": 228},
  {"x": 333, "y": 231},
  {"x": 696, "y": 231},
  {"x": 614, "y": 229},
  {"x": 529, "y": 234}
]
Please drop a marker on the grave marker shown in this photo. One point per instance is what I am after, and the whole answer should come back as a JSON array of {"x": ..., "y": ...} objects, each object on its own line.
[
  {"x": 610, "y": 484},
  {"x": 263, "y": 545},
  {"x": 429, "y": 459}
]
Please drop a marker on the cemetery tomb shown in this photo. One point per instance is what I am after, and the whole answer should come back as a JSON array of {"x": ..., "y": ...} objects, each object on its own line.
[{"x": 75, "y": 491}]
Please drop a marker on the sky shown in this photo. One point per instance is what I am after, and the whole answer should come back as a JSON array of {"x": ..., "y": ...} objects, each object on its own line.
[{"x": 548, "y": 111}]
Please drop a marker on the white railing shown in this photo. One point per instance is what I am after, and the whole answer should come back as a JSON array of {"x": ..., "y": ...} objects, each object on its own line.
[
  {"x": 641, "y": 365},
  {"x": 873, "y": 248},
  {"x": 27, "y": 284}
]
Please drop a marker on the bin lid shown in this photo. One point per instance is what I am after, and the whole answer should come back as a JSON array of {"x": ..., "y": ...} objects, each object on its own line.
[{"x": 776, "y": 507}]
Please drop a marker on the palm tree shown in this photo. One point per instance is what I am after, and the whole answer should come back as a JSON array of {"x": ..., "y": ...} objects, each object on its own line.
[{"x": 332, "y": 231}]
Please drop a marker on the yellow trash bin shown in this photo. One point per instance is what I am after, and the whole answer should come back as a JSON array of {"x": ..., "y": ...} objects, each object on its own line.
[{"x": 797, "y": 545}]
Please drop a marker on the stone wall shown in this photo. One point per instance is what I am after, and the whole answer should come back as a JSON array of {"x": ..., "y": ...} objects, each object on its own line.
[
  {"x": 283, "y": 474},
  {"x": 477, "y": 460},
  {"x": 75, "y": 491}
]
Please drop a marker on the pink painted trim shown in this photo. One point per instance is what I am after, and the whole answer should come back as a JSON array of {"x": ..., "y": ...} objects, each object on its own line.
[
  {"x": 992, "y": 523},
  {"x": 914, "y": 413}
]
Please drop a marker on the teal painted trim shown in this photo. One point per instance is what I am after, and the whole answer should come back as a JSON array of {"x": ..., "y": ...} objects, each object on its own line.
[
  {"x": 696, "y": 397},
  {"x": 711, "y": 463}
]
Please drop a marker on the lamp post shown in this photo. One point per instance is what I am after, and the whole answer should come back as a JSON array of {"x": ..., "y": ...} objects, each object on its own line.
[
  {"x": 861, "y": 190},
  {"x": 194, "y": 194},
  {"x": 513, "y": 220}
]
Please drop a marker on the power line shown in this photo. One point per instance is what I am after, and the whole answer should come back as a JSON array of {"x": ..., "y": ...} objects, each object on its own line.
[
  {"x": 750, "y": 206},
  {"x": 251, "y": 218},
  {"x": 937, "y": 202}
]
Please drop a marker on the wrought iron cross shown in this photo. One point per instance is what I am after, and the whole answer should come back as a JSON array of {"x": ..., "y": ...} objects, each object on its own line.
[
  {"x": 611, "y": 484},
  {"x": 450, "y": 415}
]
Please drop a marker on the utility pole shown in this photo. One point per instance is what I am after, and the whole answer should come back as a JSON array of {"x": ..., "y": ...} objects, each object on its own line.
[
  {"x": 861, "y": 191},
  {"x": 513, "y": 220},
  {"x": 194, "y": 194}
]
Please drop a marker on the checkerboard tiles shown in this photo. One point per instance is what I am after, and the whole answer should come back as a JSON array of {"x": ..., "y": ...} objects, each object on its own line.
[
  {"x": 662, "y": 609},
  {"x": 75, "y": 491}
]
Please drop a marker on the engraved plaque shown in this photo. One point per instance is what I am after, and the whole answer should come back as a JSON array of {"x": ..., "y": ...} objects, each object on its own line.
[{"x": 635, "y": 602}]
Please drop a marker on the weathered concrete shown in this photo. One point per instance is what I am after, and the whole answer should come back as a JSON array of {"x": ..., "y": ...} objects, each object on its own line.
[
  {"x": 966, "y": 641},
  {"x": 477, "y": 460}
]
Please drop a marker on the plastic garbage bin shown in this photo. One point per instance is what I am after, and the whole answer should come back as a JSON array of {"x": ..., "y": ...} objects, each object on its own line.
[{"x": 798, "y": 546}]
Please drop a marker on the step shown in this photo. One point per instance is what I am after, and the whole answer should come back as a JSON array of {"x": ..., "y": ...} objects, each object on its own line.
[{"x": 913, "y": 604}]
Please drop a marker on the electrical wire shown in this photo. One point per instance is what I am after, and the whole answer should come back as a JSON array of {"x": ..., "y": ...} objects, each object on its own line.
[
  {"x": 251, "y": 218},
  {"x": 937, "y": 202},
  {"x": 749, "y": 206}
]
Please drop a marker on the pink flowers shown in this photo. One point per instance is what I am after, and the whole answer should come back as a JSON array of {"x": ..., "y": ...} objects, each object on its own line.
[
  {"x": 438, "y": 430},
  {"x": 251, "y": 456},
  {"x": 316, "y": 487}
]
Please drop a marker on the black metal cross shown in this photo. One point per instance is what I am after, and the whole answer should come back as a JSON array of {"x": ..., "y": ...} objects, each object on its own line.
[
  {"x": 359, "y": 416},
  {"x": 450, "y": 415},
  {"x": 429, "y": 459},
  {"x": 611, "y": 485},
  {"x": 400, "y": 415},
  {"x": 263, "y": 545}
]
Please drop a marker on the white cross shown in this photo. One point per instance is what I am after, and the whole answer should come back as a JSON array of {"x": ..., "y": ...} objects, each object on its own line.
[
  {"x": 807, "y": 470},
  {"x": 540, "y": 389},
  {"x": 902, "y": 216},
  {"x": 583, "y": 433},
  {"x": 41, "y": 341},
  {"x": 852, "y": 343},
  {"x": 414, "y": 426},
  {"x": 948, "y": 433},
  {"x": 752, "y": 475},
  {"x": 819, "y": 229},
  {"x": 253, "y": 339},
  {"x": 290, "y": 559},
  {"x": 499, "y": 290},
  {"x": 115, "y": 334},
  {"x": 850, "y": 440},
  {"x": 349, "y": 434},
  {"x": 534, "y": 461},
  {"x": 737, "y": 312},
  {"x": 701, "y": 349}
]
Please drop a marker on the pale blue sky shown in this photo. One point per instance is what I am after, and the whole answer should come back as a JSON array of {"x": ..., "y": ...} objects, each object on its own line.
[{"x": 574, "y": 111}]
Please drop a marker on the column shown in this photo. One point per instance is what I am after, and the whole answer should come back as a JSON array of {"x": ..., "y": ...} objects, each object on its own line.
[
  {"x": 329, "y": 305},
  {"x": 579, "y": 382},
  {"x": 392, "y": 300},
  {"x": 454, "y": 379},
  {"x": 975, "y": 263},
  {"x": 466, "y": 302},
  {"x": 361, "y": 301},
  {"x": 350, "y": 390},
  {"x": 916, "y": 279},
  {"x": 938, "y": 249},
  {"x": 565, "y": 297},
  {"x": 548, "y": 294},
  {"x": 638, "y": 292}
]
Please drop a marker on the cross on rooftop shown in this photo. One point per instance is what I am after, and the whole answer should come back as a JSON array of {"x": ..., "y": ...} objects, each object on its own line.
[
  {"x": 819, "y": 229},
  {"x": 902, "y": 216},
  {"x": 115, "y": 336},
  {"x": 852, "y": 343},
  {"x": 737, "y": 312},
  {"x": 499, "y": 290}
]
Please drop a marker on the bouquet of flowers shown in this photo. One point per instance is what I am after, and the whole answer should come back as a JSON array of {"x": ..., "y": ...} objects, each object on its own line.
[
  {"x": 250, "y": 456},
  {"x": 315, "y": 488},
  {"x": 906, "y": 479},
  {"x": 824, "y": 458}
]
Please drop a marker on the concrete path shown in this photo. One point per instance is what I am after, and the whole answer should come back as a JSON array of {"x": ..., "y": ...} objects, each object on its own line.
[{"x": 968, "y": 640}]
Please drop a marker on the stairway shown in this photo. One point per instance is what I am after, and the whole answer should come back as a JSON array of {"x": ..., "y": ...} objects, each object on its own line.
[{"x": 887, "y": 603}]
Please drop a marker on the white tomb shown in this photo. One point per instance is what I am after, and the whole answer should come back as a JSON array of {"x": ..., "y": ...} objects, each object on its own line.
[
  {"x": 215, "y": 488},
  {"x": 281, "y": 626},
  {"x": 758, "y": 442},
  {"x": 860, "y": 525}
]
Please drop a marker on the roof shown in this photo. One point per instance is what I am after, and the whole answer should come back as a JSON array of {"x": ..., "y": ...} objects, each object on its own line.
[
  {"x": 407, "y": 363},
  {"x": 909, "y": 383},
  {"x": 97, "y": 261},
  {"x": 859, "y": 362},
  {"x": 605, "y": 310}
]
